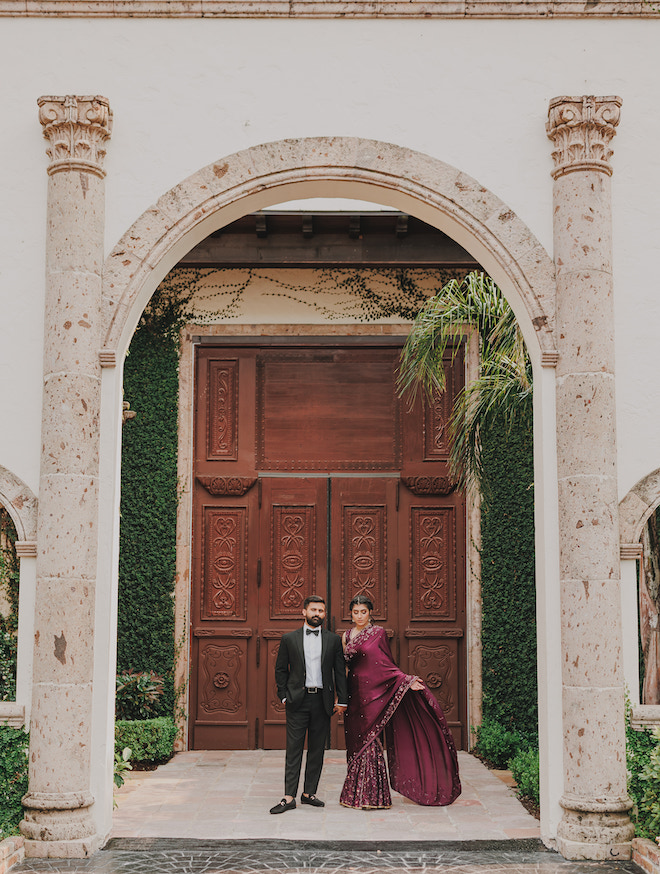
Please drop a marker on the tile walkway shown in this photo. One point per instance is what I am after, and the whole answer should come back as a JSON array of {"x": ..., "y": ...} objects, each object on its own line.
[{"x": 207, "y": 812}]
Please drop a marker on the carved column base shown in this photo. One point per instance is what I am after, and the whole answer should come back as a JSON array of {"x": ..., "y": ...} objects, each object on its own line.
[
  {"x": 79, "y": 849},
  {"x": 596, "y": 830},
  {"x": 59, "y": 826}
]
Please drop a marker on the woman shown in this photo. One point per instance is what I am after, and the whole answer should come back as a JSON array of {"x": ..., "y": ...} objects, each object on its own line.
[{"x": 381, "y": 698}]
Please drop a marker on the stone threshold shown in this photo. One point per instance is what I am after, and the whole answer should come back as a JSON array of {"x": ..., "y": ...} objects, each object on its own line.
[{"x": 268, "y": 846}]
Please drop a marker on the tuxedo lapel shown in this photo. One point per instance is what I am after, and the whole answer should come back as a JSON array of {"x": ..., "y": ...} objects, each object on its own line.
[
  {"x": 324, "y": 645},
  {"x": 298, "y": 638}
]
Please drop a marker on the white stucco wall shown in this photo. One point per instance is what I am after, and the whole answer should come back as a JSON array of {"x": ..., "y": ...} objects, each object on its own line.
[{"x": 472, "y": 93}]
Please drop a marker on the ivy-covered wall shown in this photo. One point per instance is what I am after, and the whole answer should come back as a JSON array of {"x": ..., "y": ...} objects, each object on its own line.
[
  {"x": 148, "y": 506},
  {"x": 507, "y": 578},
  {"x": 148, "y": 524}
]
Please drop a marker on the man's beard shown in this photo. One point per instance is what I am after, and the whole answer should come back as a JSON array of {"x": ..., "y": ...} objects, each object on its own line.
[{"x": 315, "y": 621}]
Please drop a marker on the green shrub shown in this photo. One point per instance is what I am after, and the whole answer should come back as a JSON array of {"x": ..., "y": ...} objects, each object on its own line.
[
  {"x": 13, "y": 777},
  {"x": 496, "y": 744},
  {"x": 7, "y": 665},
  {"x": 137, "y": 694},
  {"x": 647, "y": 815},
  {"x": 525, "y": 770},
  {"x": 151, "y": 741},
  {"x": 122, "y": 764},
  {"x": 642, "y": 762}
]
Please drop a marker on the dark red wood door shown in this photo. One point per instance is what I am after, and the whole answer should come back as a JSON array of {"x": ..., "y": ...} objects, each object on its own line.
[{"x": 312, "y": 477}]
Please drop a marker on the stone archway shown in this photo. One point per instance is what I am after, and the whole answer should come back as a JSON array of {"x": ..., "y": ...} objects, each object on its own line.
[
  {"x": 21, "y": 503},
  {"x": 80, "y": 469},
  {"x": 635, "y": 509},
  {"x": 394, "y": 176},
  {"x": 379, "y": 172}
]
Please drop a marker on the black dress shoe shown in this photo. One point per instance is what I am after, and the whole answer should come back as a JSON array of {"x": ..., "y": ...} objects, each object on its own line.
[
  {"x": 284, "y": 805},
  {"x": 313, "y": 800}
]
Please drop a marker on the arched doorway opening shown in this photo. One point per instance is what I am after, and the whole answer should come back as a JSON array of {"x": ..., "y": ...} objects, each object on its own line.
[
  {"x": 415, "y": 184},
  {"x": 297, "y": 423}
]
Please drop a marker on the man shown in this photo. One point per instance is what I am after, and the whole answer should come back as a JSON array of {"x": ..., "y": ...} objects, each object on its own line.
[{"x": 309, "y": 667}]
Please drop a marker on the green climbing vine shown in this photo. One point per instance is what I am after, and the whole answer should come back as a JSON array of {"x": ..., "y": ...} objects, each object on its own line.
[
  {"x": 8, "y": 607},
  {"x": 332, "y": 293},
  {"x": 147, "y": 554}
]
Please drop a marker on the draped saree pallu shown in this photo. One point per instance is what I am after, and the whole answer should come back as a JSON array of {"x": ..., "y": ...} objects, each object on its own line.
[{"x": 421, "y": 753}]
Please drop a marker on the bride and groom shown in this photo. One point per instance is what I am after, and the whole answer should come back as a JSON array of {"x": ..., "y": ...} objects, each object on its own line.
[{"x": 377, "y": 699}]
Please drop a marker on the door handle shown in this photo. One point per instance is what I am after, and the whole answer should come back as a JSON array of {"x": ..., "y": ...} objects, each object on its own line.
[{"x": 258, "y": 651}]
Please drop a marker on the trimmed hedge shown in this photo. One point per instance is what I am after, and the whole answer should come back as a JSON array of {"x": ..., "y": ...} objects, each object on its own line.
[
  {"x": 151, "y": 741},
  {"x": 497, "y": 745},
  {"x": 14, "y": 744},
  {"x": 525, "y": 770},
  {"x": 507, "y": 578}
]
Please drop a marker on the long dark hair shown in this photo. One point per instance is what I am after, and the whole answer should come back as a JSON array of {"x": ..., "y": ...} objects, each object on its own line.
[{"x": 361, "y": 599}]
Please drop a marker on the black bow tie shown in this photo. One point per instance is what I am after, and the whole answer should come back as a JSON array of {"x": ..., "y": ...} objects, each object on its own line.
[{"x": 312, "y": 631}]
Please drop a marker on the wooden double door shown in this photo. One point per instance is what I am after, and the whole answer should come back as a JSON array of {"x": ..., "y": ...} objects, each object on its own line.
[{"x": 312, "y": 477}]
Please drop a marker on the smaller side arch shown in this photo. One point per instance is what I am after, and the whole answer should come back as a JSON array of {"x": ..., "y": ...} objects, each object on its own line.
[
  {"x": 636, "y": 507},
  {"x": 21, "y": 503}
]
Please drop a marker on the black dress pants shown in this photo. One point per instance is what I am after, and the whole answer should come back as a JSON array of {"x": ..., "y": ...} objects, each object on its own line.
[{"x": 311, "y": 720}]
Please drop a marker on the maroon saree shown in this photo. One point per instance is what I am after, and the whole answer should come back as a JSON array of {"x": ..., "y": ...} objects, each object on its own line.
[{"x": 420, "y": 749}]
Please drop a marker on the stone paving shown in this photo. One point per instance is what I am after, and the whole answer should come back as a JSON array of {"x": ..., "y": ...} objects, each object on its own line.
[
  {"x": 207, "y": 812},
  {"x": 227, "y": 794}
]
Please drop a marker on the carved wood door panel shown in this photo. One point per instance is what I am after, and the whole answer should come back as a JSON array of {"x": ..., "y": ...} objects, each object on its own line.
[
  {"x": 224, "y": 615},
  {"x": 364, "y": 544},
  {"x": 431, "y": 636},
  {"x": 294, "y": 564}
]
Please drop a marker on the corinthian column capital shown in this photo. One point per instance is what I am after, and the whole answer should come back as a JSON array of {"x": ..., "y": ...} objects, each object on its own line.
[
  {"x": 76, "y": 129},
  {"x": 581, "y": 129}
]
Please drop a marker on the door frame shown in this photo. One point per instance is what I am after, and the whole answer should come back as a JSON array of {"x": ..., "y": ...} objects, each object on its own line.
[{"x": 235, "y": 334}]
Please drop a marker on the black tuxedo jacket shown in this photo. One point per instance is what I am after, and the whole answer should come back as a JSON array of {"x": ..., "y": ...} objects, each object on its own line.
[{"x": 290, "y": 669}]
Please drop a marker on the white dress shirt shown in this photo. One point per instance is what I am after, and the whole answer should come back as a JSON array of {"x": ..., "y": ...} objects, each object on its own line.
[{"x": 312, "y": 648}]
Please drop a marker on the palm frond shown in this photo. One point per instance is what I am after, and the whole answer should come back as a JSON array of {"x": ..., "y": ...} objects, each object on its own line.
[{"x": 504, "y": 385}]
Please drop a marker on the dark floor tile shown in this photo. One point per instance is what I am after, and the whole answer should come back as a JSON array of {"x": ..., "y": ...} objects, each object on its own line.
[{"x": 163, "y": 856}]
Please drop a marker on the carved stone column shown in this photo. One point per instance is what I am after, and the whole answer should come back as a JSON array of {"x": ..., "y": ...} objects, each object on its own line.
[
  {"x": 57, "y": 807},
  {"x": 595, "y": 823}
]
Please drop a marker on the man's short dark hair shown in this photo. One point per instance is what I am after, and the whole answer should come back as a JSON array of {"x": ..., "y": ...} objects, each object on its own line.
[{"x": 313, "y": 599}]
